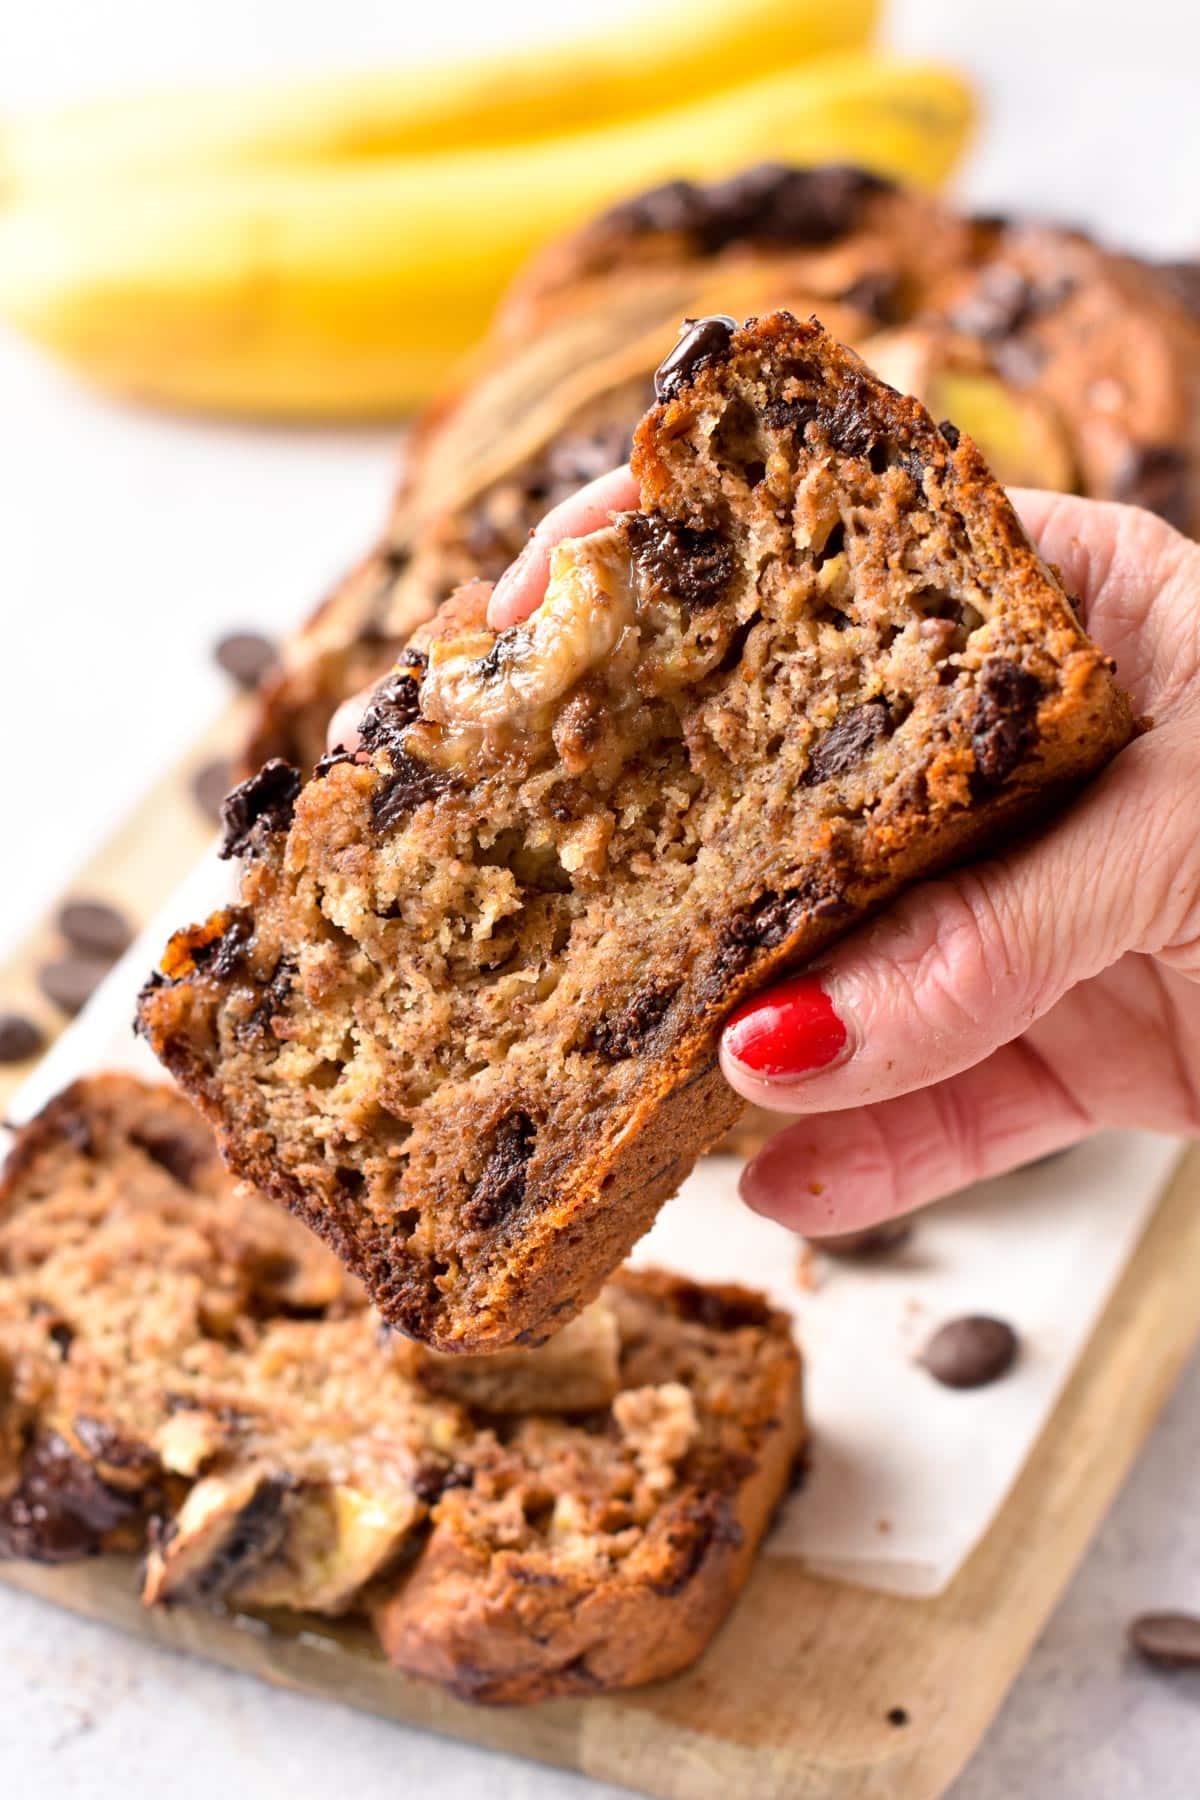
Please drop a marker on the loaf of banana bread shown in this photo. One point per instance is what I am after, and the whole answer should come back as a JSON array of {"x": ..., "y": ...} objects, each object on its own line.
[
  {"x": 186, "y": 1372},
  {"x": 464, "y": 1017}
]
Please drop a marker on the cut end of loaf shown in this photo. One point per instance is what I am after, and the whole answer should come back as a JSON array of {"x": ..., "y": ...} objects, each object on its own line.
[{"x": 464, "y": 1020}]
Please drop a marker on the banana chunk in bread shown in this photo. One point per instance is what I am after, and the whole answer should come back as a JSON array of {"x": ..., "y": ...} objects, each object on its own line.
[
  {"x": 186, "y": 1372},
  {"x": 464, "y": 1018}
]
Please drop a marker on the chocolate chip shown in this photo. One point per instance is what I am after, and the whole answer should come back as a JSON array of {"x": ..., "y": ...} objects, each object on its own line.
[
  {"x": 210, "y": 784},
  {"x": 60, "y": 1508},
  {"x": 693, "y": 567},
  {"x": 701, "y": 342},
  {"x": 432, "y": 1479},
  {"x": 246, "y": 656},
  {"x": 70, "y": 981},
  {"x": 769, "y": 920},
  {"x": 181, "y": 1157},
  {"x": 950, "y": 432},
  {"x": 876, "y": 293},
  {"x": 1156, "y": 476},
  {"x": 875, "y": 1240},
  {"x": 1169, "y": 1640},
  {"x": 627, "y": 1032},
  {"x": 259, "y": 806},
  {"x": 394, "y": 705},
  {"x": 1001, "y": 303},
  {"x": 95, "y": 928},
  {"x": 409, "y": 785},
  {"x": 272, "y": 1001},
  {"x": 772, "y": 202},
  {"x": 20, "y": 1038},
  {"x": 970, "y": 1352},
  {"x": 719, "y": 1308},
  {"x": 501, "y": 1187},
  {"x": 1004, "y": 729},
  {"x": 848, "y": 741}
]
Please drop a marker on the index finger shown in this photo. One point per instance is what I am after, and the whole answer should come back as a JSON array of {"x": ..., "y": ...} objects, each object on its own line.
[{"x": 522, "y": 586}]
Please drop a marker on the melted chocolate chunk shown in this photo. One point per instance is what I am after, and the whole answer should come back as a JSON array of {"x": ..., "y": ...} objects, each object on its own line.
[
  {"x": 394, "y": 705},
  {"x": 720, "y": 1309},
  {"x": 628, "y": 1032},
  {"x": 848, "y": 741},
  {"x": 693, "y": 567},
  {"x": 772, "y": 202},
  {"x": 970, "y": 1352},
  {"x": 847, "y": 425},
  {"x": 181, "y": 1157},
  {"x": 256, "y": 1533},
  {"x": 1004, "y": 302},
  {"x": 1004, "y": 730},
  {"x": 272, "y": 1001},
  {"x": 1156, "y": 476},
  {"x": 768, "y": 921},
  {"x": 259, "y": 806},
  {"x": 879, "y": 294},
  {"x": 501, "y": 1187},
  {"x": 408, "y": 786},
  {"x": 60, "y": 1509},
  {"x": 701, "y": 342},
  {"x": 432, "y": 1479}
]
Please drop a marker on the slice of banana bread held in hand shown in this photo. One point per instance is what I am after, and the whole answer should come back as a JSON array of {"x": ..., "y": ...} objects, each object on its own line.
[{"x": 464, "y": 1018}]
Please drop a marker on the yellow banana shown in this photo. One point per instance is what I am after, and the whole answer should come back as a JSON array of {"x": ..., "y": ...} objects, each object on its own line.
[
  {"x": 351, "y": 290},
  {"x": 683, "y": 48}
]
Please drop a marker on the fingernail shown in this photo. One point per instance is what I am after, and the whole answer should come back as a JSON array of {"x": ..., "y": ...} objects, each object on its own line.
[
  {"x": 513, "y": 574},
  {"x": 794, "y": 1031}
]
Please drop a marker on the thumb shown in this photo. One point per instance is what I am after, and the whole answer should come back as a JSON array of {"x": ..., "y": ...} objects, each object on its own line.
[{"x": 963, "y": 965}]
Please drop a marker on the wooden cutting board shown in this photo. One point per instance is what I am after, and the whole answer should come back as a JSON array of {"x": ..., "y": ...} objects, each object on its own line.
[{"x": 813, "y": 1688}]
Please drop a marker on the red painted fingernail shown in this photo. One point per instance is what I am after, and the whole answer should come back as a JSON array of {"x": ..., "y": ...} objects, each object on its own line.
[{"x": 793, "y": 1031}]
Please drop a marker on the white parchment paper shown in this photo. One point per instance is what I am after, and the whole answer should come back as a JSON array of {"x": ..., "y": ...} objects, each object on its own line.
[{"x": 906, "y": 1475}]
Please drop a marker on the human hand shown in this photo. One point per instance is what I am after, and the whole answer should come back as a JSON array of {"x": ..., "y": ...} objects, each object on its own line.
[{"x": 1015, "y": 1006}]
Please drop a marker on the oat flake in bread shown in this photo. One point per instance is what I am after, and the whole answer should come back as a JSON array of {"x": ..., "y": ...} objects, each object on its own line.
[{"x": 463, "y": 1019}]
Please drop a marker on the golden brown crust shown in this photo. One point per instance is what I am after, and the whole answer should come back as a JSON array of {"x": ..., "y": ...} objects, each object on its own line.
[{"x": 482, "y": 1207}]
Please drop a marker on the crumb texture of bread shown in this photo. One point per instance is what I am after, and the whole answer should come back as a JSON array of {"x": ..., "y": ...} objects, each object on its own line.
[
  {"x": 463, "y": 1019},
  {"x": 1072, "y": 366},
  {"x": 187, "y": 1373}
]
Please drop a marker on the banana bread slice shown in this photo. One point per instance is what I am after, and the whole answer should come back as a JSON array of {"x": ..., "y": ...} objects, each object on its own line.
[
  {"x": 185, "y": 1371},
  {"x": 464, "y": 1018}
]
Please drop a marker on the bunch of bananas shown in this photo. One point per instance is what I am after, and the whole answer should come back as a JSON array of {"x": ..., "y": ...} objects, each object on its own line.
[{"x": 330, "y": 248}]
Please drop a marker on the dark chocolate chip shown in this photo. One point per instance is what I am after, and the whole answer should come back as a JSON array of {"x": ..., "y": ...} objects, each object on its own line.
[
  {"x": 60, "y": 1508},
  {"x": 629, "y": 1030},
  {"x": 70, "y": 981},
  {"x": 848, "y": 741},
  {"x": 432, "y": 1479},
  {"x": 970, "y": 1352},
  {"x": 719, "y": 1308},
  {"x": 408, "y": 786},
  {"x": 950, "y": 432},
  {"x": 701, "y": 342},
  {"x": 259, "y": 806},
  {"x": 771, "y": 202},
  {"x": 769, "y": 920},
  {"x": 501, "y": 1187},
  {"x": 875, "y": 1240},
  {"x": 876, "y": 293},
  {"x": 1001, "y": 303},
  {"x": 181, "y": 1157},
  {"x": 95, "y": 928},
  {"x": 1169, "y": 1640},
  {"x": 693, "y": 567},
  {"x": 394, "y": 705},
  {"x": 210, "y": 784},
  {"x": 20, "y": 1038},
  {"x": 272, "y": 1000},
  {"x": 1156, "y": 476},
  {"x": 246, "y": 656},
  {"x": 1004, "y": 729}
]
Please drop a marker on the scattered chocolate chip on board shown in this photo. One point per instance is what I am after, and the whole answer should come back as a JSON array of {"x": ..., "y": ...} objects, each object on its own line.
[
  {"x": 20, "y": 1037},
  {"x": 210, "y": 784},
  {"x": 463, "y": 1018},
  {"x": 1169, "y": 1640},
  {"x": 970, "y": 1352},
  {"x": 95, "y": 928},
  {"x": 866, "y": 1245},
  {"x": 246, "y": 657},
  {"x": 70, "y": 981}
]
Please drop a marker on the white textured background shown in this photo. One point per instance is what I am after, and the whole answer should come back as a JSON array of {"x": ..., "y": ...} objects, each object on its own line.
[{"x": 128, "y": 542}]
